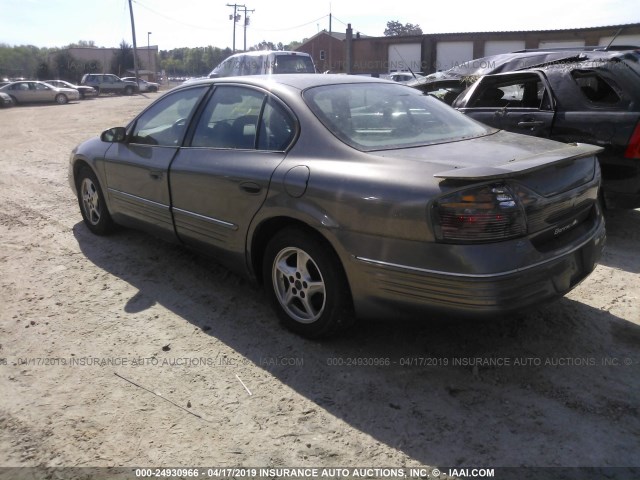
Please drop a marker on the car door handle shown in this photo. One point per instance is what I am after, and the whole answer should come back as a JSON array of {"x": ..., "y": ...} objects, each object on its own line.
[
  {"x": 250, "y": 187},
  {"x": 156, "y": 174},
  {"x": 530, "y": 124}
]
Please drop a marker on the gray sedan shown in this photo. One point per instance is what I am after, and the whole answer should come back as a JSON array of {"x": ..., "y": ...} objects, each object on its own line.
[
  {"x": 84, "y": 90},
  {"x": 349, "y": 197},
  {"x": 34, "y": 91}
]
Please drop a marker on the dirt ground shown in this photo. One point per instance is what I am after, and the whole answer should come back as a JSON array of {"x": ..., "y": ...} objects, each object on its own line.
[{"x": 128, "y": 351}]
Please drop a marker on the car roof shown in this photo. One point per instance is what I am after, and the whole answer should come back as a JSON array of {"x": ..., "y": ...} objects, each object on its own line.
[
  {"x": 527, "y": 59},
  {"x": 300, "y": 81},
  {"x": 257, "y": 53}
]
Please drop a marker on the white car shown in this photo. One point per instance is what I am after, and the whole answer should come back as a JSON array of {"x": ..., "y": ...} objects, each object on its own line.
[
  {"x": 404, "y": 77},
  {"x": 143, "y": 85},
  {"x": 34, "y": 91}
]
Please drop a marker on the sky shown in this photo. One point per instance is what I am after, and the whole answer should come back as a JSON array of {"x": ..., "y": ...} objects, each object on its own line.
[{"x": 199, "y": 23}]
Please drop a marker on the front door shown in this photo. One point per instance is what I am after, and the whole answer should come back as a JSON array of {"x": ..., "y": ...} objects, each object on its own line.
[{"x": 137, "y": 170}]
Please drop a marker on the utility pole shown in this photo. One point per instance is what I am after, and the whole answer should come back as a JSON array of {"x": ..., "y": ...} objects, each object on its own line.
[
  {"x": 246, "y": 22},
  {"x": 135, "y": 48},
  {"x": 235, "y": 18}
]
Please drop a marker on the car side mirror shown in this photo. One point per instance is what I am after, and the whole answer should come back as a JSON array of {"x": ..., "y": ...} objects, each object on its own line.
[{"x": 115, "y": 134}]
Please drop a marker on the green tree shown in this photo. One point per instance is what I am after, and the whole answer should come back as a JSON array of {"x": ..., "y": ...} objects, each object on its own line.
[
  {"x": 264, "y": 45},
  {"x": 396, "y": 29},
  {"x": 21, "y": 61},
  {"x": 122, "y": 59},
  {"x": 65, "y": 66}
]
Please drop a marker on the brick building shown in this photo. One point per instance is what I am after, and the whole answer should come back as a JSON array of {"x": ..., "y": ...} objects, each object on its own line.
[{"x": 353, "y": 53}]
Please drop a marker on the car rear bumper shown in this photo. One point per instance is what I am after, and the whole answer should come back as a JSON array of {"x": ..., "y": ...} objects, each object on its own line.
[{"x": 388, "y": 286}]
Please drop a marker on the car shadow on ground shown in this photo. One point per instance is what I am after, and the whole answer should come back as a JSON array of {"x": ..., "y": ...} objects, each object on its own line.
[
  {"x": 533, "y": 389},
  {"x": 623, "y": 239}
]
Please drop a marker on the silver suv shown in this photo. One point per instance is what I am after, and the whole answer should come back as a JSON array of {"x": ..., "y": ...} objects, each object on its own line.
[
  {"x": 109, "y": 83},
  {"x": 264, "y": 62}
]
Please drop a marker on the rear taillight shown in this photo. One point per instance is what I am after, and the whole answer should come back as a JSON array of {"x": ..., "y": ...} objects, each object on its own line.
[
  {"x": 633, "y": 149},
  {"x": 490, "y": 213}
]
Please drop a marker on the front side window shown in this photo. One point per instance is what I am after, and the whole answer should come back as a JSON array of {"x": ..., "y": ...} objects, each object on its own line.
[
  {"x": 379, "y": 116},
  {"x": 165, "y": 122}
]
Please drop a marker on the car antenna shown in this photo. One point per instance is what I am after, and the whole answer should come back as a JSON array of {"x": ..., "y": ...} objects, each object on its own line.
[
  {"x": 606, "y": 49},
  {"x": 415, "y": 77}
]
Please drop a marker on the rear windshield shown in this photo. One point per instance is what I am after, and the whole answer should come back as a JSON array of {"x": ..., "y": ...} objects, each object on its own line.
[
  {"x": 293, "y": 64},
  {"x": 379, "y": 116}
]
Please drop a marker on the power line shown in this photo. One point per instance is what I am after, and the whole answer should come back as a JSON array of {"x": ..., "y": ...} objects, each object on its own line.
[
  {"x": 290, "y": 28},
  {"x": 173, "y": 19},
  {"x": 235, "y": 17}
]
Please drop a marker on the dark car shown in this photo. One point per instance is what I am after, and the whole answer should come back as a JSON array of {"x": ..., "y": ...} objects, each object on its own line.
[
  {"x": 109, "y": 83},
  {"x": 347, "y": 194},
  {"x": 586, "y": 96}
]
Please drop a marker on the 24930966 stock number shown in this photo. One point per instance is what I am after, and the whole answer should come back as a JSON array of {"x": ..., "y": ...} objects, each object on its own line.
[
  {"x": 358, "y": 361},
  {"x": 195, "y": 472}
]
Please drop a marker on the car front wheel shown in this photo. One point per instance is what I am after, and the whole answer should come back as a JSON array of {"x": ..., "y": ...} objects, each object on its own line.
[
  {"x": 61, "y": 99},
  {"x": 128, "y": 91},
  {"x": 92, "y": 203},
  {"x": 306, "y": 284}
]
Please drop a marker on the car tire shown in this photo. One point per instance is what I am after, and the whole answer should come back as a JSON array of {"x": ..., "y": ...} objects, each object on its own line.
[
  {"x": 61, "y": 99},
  {"x": 15, "y": 100},
  {"x": 92, "y": 203},
  {"x": 306, "y": 284},
  {"x": 128, "y": 91}
]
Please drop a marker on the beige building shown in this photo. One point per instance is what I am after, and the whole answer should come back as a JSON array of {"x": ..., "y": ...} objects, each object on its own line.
[{"x": 100, "y": 59}]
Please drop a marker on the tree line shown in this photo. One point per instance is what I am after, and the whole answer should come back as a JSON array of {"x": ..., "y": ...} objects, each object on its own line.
[{"x": 28, "y": 61}]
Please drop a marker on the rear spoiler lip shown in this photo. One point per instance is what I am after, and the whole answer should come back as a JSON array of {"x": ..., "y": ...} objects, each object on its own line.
[{"x": 566, "y": 153}]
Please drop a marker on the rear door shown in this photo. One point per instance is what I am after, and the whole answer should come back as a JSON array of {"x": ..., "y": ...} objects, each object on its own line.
[
  {"x": 220, "y": 180},
  {"x": 137, "y": 169},
  {"x": 520, "y": 102},
  {"x": 599, "y": 106}
]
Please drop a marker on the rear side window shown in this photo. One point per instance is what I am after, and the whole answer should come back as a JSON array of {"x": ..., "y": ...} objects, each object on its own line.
[
  {"x": 595, "y": 88},
  {"x": 277, "y": 128},
  {"x": 239, "y": 118},
  {"x": 517, "y": 91},
  {"x": 230, "y": 119}
]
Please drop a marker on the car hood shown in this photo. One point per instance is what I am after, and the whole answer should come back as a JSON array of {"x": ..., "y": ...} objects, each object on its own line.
[{"x": 497, "y": 155}]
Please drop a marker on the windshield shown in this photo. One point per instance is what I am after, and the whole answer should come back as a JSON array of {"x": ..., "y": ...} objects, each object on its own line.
[{"x": 378, "y": 116}]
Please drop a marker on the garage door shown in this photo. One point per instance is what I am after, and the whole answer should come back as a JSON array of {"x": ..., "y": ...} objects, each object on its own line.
[
  {"x": 405, "y": 56},
  {"x": 495, "y": 47},
  {"x": 452, "y": 54}
]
